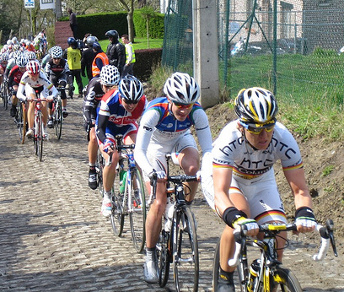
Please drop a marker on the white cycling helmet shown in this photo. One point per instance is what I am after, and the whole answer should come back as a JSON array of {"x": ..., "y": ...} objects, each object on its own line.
[
  {"x": 131, "y": 89},
  {"x": 182, "y": 88},
  {"x": 109, "y": 75},
  {"x": 56, "y": 52},
  {"x": 22, "y": 60}
]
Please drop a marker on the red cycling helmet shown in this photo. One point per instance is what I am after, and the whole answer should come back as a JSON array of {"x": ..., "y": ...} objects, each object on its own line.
[{"x": 33, "y": 67}]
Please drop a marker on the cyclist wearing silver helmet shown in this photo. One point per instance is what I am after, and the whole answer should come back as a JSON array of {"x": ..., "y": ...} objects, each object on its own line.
[
  {"x": 165, "y": 128},
  {"x": 238, "y": 179},
  {"x": 57, "y": 71},
  {"x": 93, "y": 93},
  {"x": 118, "y": 114}
]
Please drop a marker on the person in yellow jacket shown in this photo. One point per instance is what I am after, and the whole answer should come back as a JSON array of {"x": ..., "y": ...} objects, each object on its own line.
[
  {"x": 129, "y": 56},
  {"x": 74, "y": 64},
  {"x": 99, "y": 61}
]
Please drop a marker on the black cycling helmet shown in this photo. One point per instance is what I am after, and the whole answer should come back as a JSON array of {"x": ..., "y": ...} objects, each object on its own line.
[
  {"x": 97, "y": 47},
  {"x": 112, "y": 33},
  {"x": 255, "y": 105},
  {"x": 131, "y": 89}
]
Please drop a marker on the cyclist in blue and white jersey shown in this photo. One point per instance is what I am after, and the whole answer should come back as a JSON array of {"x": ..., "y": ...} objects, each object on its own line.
[
  {"x": 238, "y": 181},
  {"x": 35, "y": 79},
  {"x": 118, "y": 114},
  {"x": 165, "y": 128}
]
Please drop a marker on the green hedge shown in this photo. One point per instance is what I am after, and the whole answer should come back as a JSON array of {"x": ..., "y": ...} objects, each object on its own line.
[
  {"x": 99, "y": 23},
  {"x": 146, "y": 61}
]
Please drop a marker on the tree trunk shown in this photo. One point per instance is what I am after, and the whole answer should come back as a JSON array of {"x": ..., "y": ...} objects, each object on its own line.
[{"x": 130, "y": 20}]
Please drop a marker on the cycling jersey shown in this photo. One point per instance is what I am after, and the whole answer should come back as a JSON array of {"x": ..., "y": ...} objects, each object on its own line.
[
  {"x": 93, "y": 96},
  {"x": 59, "y": 70},
  {"x": 113, "y": 119},
  {"x": 14, "y": 76},
  {"x": 28, "y": 86},
  {"x": 161, "y": 133},
  {"x": 253, "y": 173}
]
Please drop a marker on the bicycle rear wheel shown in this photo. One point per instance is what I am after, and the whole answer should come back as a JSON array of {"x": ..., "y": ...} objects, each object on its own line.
[
  {"x": 185, "y": 251},
  {"x": 137, "y": 210},
  {"x": 285, "y": 280},
  {"x": 58, "y": 119},
  {"x": 164, "y": 257},
  {"x": 5, "y": 96}
]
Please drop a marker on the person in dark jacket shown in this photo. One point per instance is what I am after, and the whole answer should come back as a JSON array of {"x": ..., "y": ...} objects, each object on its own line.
[
  {"x": 115, "y": 50},
  {"x": 73, "y": 23},
  {"x": 87, "y": 57}
]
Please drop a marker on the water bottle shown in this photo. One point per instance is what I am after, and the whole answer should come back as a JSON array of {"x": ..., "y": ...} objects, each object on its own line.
[
  {"x": 169, "y": 213},
  {"x": 253, "y": 276},
  {"x": 122, "y": 177}
]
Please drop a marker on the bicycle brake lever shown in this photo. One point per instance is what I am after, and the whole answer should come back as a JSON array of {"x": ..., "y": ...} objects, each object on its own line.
[{"x": 330, "y": 228}]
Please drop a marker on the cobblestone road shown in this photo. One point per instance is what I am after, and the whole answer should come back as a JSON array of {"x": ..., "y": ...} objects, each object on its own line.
[{"x": 53, "y": 237}]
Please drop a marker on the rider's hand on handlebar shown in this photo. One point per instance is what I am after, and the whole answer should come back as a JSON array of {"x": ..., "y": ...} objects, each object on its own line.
[
  {"x": 108, "y": 146},
  {"x": 305, "y": 219},
  {"x": 157, "y": 175},
  {"x": 234, "y": 218},
  {"x": 50, "y": 98}
]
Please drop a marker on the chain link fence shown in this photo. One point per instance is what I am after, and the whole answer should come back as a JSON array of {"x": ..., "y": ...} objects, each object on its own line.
[{"x": 302, "y": 62}]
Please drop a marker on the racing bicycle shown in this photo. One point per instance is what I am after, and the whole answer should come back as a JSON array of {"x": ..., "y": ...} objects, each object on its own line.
[
  {"x": 128, "y": 195},
  {"x": 20, "y": 120},
  {"x": 57, "y": 114},
  {"x": 266, "y": 273},
  {"x": 178, "y": 243}
]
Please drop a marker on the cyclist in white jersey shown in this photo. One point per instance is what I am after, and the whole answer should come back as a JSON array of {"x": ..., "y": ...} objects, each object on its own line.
[
  {"x": 238, "y": 180},
  {"x": 35, "y": 80},
  {"x": 165, "y": 128}
]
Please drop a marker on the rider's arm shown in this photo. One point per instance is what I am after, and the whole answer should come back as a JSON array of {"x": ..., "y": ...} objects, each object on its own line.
[
  {"x": 203, "y": 130},
  {"x": 102, "y": 122},
  {"x": 147, "y": 125},
  {"x": 303, "y": 200},
  {"x": 222, "y": 178},
  {"x": 21, "y": 91}
]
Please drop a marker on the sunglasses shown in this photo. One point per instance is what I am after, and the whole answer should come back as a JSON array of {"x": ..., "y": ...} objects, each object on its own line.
[
  {"x": 129, "y": 101},
  {"x": 183, "y": 106},
  {"x": 258, "y": 128}
]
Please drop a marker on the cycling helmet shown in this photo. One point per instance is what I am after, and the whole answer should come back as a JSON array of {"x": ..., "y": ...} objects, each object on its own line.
[
  {"x": 71, "y": 40},
  {"x": 109, "y": 75},
  {"x": 56, "y": 52},
  {"x": 91, "y": 40},
  {"x": 182, "y": 88},
  {"x": 255, "y": 105},
  {"x": 5, "y": 57},
  {"x": 22, "y": 60},
  {"x": 31, "y": 55},
  {"x": 33, "y": 67},
  {"x": 14, "y": 40},
  {"x": 131, "y": 88},
  {"x": 112, "y": 33}
]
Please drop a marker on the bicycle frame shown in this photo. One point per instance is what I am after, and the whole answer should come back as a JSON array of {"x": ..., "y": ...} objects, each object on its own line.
[{"x": 269, "y": 266}]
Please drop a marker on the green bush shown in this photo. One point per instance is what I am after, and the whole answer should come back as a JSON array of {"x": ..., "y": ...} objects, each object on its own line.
[{"x": 156, "y": 25}]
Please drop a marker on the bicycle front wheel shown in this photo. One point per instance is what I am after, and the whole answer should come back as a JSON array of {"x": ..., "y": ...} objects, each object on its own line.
[
  {"x": 185, "y": 251},
  {"x": 58, "y": 119},
  {"x": 285, "y": 280},
  {"x": 38, "y": 140},
  {"x": 137, "y": 210},
  {"x": 118, "y": 207},
  {"x": 20, "y": 121}
]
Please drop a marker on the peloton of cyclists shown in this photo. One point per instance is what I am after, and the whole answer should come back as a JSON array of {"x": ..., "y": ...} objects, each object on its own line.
[
  {"x": 96, "y": 88},
  {"x": 238, "y": 179},
  {"x": 119, "y": 111},
  {"x": 165, "y": 128}
]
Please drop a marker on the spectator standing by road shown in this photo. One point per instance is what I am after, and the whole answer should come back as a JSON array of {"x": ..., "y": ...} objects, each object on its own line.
[
  {"x": 74, "y": 64},
  {"x": 87, "y": 57},
  {"x": 99, "y": 60},
  {"x": 73, "y": 23},
  {"x": 115, "y": 50},
  {"x": 129, "y": 56}
]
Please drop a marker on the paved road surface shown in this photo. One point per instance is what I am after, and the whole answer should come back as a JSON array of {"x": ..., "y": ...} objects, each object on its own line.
[{"x": 53, "y": 237}]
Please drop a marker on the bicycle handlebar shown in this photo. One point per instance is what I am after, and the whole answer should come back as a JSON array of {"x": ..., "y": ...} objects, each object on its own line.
[{"x": 326, "y": 233}]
